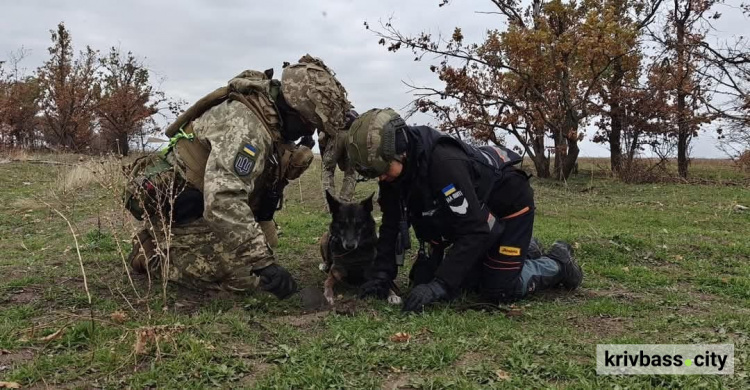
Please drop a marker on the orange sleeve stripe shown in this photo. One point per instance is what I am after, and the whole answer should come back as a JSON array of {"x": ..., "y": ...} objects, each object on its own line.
[{"x": 517, "y": 213}]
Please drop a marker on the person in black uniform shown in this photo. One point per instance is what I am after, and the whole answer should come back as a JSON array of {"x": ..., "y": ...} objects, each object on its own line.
[{"x": 472, "y": 211}]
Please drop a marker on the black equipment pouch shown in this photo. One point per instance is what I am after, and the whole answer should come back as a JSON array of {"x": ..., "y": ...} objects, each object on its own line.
[
  {"x": 270, "y": 202},
  {"x": 403, "y": 242}
]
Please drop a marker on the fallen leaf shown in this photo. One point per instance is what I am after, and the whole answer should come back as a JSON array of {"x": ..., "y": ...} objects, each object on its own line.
[
  {"x": 400, "y": 337},
  {"x": 677, "y": 257},
  {"x": 626, "y": 269},
  {"x": 9, "y": 385},
  {"x": 119, "y": 316},
  {"x": 53, "y": 336},
  {"x": 502, "y": 375}
]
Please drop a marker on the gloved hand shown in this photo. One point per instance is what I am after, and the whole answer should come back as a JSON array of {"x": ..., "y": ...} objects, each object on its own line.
[
  {"x": 277, "y": 280},
  {"x": 351, "y": 116},
  {"x": 423, "y": 295},
  {"x": 377, "y": 286},
  {"x": 423, "y": 270}
]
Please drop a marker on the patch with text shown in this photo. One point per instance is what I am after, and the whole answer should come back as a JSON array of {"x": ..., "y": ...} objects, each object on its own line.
[{"x": 510, "y": 251}]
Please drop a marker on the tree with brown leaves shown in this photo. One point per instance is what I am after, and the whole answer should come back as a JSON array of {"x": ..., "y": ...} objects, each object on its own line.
[
  {"x": 19, "y": 95},
  {"x": 69, "y": 92},
  {"x": 687, "y": 89},
  {"x": 536, "y": 79},
  {"x": 624, "y": 106},
  {"x": 128, "y": 101}
]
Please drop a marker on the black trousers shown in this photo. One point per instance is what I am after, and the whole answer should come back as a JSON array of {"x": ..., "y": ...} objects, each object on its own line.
[{"x": 506, "y": 273}]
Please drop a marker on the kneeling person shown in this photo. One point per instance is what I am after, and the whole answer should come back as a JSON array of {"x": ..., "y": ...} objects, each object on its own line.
[
  {"x": 229, "y": 159},
  {"x": 471, "y": 205}
]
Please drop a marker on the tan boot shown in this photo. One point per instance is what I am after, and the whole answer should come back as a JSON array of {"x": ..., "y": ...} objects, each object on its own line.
[
  {"x": 144, "y": 250},
  {"x": 269, "y": 230}
]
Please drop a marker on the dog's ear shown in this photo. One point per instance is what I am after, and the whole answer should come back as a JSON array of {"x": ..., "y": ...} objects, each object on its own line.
[
  {"x": 367, "y": 203},
  {"x": 333, "y": 203}
]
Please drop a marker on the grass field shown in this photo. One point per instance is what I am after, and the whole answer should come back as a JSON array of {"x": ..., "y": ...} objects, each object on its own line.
[{"x": 664, "y": 263}]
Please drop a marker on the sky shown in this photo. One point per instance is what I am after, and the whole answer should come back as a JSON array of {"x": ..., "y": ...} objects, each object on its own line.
[{"x": 194, "y": 46}]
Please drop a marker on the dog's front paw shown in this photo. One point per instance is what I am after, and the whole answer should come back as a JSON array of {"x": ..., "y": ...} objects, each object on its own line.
[
  {"x": 323, "y": 267},
  {"x": 394, "y": 299}
]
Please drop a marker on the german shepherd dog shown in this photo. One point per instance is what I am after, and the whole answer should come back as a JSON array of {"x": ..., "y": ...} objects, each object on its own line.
[{"x": 348, "y": 247}]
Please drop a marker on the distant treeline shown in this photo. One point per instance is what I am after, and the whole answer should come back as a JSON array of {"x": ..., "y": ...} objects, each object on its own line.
[{"x": 79, "y": 102}]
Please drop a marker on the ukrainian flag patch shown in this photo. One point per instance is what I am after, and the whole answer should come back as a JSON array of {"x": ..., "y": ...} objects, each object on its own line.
[
  {"x": 249, "y": 149},
  {"x": 449, "y": 189},
  {"x": 244, "y": 162}
]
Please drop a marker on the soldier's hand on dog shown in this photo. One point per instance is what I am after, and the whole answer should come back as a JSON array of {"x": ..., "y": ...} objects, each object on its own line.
[
  {"x": 378, "y": 287},
  {"x": 277, "y": 280}
]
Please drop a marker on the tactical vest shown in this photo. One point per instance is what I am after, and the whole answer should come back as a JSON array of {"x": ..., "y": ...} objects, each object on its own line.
[
  {"x": 257, "y": 91},
  {"x": 489, "y": 164}
]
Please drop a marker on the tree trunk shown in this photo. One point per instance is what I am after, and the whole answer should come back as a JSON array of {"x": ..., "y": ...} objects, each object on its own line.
[
  {"x": 683, "y": 127},
  {"x": 561, "y": 149},
  {"x": 616, "y": 117},
  {"x": 683, "y": 140},
  {"x": 541, "y": 162},
  {"x": 566, "y": 147},
  {"x": 123, "y": 145}
]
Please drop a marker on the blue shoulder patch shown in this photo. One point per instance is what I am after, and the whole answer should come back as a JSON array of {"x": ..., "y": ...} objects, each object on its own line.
[{"x": 244, "y": 162}]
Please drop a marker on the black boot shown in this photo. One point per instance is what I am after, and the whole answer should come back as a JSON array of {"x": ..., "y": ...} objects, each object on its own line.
[
  {"x": 535, "y": 249},
  {"x": 562, "y": 252}
]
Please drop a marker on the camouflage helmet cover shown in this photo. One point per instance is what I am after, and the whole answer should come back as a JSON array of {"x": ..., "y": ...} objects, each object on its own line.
[
  {"x": 311, "y": 88},
  {"x": 372, "y": 141}
]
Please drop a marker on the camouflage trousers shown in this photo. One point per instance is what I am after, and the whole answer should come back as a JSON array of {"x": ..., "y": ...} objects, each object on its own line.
[
  {"x": 333, "y": 154},
  {"x": 195, "y": 258},
  {"x": 349, "y": 182}
]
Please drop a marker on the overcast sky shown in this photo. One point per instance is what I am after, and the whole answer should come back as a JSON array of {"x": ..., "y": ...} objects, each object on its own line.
[{"x": 196, "y": 46}]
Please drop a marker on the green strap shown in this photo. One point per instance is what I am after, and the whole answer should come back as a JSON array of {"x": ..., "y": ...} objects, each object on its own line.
[
  {"x": 274, "y": 90},
  {"x": 181, "y": 134}
]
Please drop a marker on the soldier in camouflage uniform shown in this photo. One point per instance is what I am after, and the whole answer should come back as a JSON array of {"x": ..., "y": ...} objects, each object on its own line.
[
  {"x": 333, "y": 152},
  {"x": 235, "y": 147}
]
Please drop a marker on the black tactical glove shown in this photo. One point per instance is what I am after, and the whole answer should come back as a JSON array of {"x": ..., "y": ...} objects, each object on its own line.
[
  {"x": 423, "y": 295},
  {"x": 377, "y": 286},
  {"x": 424, "y": 268},
  {"x": 351, "y": 116},
  {"x": 277, "y": 280}
]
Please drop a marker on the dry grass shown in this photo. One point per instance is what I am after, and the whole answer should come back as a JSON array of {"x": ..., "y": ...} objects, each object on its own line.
[
  {"x": 15, "y": 155},
  {"x": 105, "y": 170}
]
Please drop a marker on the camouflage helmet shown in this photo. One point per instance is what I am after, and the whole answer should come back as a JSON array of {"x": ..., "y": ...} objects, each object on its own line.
[
  {"x": 371, "y": 144},
  {"x": 311, "y": 88}
]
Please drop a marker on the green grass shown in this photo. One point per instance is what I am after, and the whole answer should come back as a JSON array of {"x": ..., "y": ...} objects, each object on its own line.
[{"x": 664, "y": 263}]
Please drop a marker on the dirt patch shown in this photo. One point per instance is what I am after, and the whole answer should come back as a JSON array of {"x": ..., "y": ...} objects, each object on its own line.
[
  {"x": 259, "y": 370},
  {"x": 397, "y": 381},
  {"x": 601, "y": 326},
  {"x": 614, "y": 292},
  {"x": 23, "y": 296},
  {"x": 8, "y": 358},
  {"x": 469, "y": 360},
  {"x": 303, "y": 319}
]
